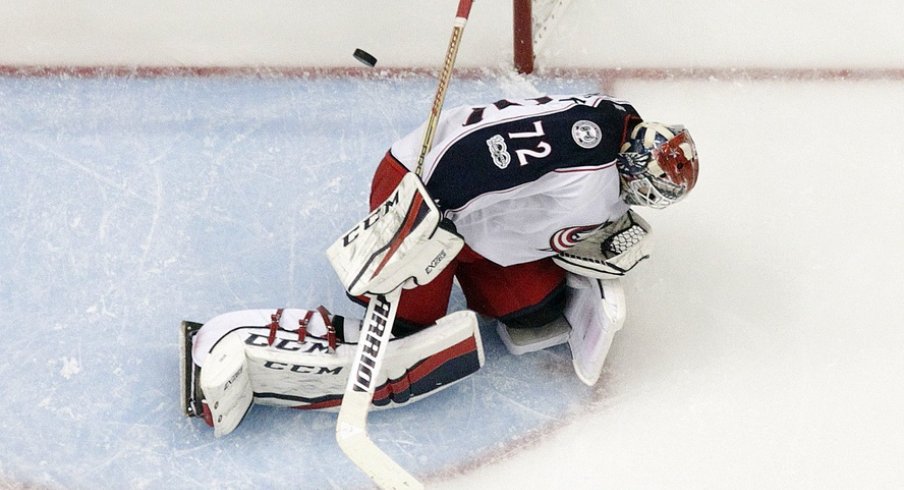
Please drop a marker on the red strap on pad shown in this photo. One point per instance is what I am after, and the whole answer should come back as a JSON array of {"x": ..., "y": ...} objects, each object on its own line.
[
  {"x": 303, "y": 325},
  {"x": 274, "y": 326}
]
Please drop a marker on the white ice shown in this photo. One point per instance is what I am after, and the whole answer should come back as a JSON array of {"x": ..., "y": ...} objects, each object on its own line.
[{"x": 764, "y": 346}]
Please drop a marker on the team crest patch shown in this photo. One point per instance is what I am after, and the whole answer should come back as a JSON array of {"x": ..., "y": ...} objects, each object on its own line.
[{"x": 586, "y": 134}]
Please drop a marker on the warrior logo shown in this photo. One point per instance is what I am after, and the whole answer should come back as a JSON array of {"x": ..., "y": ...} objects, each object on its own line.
[
  {"x": 568, "y": 237},
  {"x": 586, "y": 134}
]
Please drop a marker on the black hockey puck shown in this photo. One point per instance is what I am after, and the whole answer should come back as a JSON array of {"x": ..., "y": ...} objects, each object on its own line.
[{"x": 365, "y": 57}]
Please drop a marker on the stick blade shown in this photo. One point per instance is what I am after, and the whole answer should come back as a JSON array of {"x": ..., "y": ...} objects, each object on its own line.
[{"x": 351, "y": 434}]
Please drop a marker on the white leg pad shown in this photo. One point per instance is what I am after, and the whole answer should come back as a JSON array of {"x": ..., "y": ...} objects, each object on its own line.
[
  {"x": 244, "y": 361},
  {"x": 596, "y": 310}
]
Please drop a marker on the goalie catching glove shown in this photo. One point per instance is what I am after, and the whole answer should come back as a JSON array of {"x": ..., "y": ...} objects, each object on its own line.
[
  {"x": 302, "y": 358},
  {"x": 403, "y": 242},
  {"x": 611, "y": 251}
]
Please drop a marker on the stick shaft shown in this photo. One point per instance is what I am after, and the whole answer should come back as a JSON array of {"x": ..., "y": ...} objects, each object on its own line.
[{"x": 461, "y": 18}]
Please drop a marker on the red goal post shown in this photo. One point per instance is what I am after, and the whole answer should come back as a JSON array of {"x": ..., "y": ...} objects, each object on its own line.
[{"x": 533, "y": 22}]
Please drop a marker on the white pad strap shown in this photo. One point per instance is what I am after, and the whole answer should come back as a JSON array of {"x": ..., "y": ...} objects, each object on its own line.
[{"x": 399, "y": 243}]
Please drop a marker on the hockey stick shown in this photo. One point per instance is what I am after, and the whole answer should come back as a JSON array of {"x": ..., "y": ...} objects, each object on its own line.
[{"x": 351, "y": 427}]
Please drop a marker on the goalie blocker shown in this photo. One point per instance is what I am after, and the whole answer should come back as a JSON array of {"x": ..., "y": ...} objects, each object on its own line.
[
  {"x": 301, "y": 359},
  {"x": 403, "y": 243}
]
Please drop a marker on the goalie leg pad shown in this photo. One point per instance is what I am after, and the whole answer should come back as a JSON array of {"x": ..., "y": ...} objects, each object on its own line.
[
  {"x": 595, "y": 310},
  {"x": 304, "y": 376},
  {"x": 248, "y": 355},
  {"x": 431, "y": 360}
]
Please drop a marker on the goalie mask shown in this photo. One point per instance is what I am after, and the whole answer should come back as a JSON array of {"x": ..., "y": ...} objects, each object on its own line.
[{"x": 658, "y": 165}]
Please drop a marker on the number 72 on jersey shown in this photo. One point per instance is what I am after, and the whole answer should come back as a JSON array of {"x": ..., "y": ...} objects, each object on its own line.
[{"x": 499, "y": 148}]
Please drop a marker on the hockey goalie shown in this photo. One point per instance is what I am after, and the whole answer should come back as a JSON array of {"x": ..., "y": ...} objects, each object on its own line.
[
  {"x": 543, "y": 192},
  {"x": 526, "y": 204}
]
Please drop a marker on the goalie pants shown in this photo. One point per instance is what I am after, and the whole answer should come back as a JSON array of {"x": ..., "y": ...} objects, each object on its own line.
[{"x": 521, "y": 295}]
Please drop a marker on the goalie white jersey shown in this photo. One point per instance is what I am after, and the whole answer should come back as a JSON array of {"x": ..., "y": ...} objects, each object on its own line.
[{"x": 524, "y": 179}]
